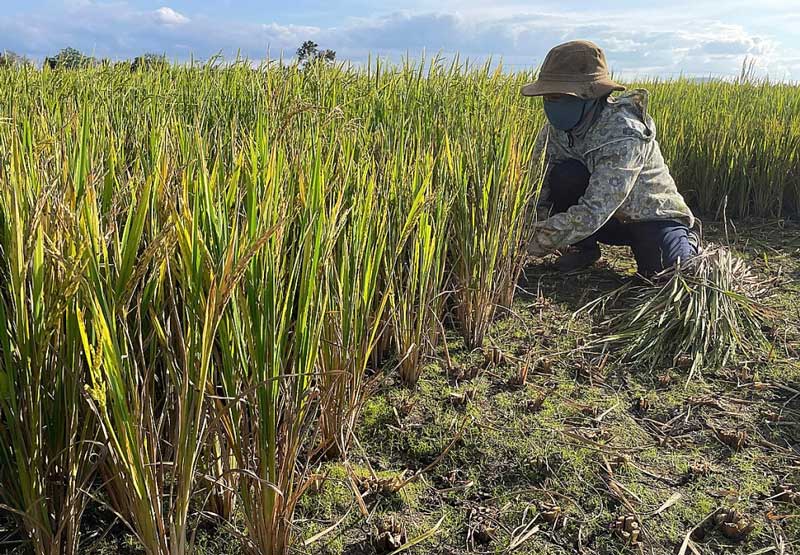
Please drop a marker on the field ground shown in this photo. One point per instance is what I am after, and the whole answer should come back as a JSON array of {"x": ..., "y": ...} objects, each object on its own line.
[{"x": 554, "y": 464}]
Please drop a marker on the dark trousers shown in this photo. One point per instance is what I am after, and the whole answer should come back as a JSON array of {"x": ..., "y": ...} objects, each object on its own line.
[{"x": 656, "y": 245}]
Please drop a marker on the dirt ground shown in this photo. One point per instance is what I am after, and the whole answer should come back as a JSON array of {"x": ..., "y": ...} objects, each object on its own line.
[{"x": 589, "y": 456}]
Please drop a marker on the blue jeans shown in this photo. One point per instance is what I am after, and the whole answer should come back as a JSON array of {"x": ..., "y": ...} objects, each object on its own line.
[{"x": 656, "y": 245}]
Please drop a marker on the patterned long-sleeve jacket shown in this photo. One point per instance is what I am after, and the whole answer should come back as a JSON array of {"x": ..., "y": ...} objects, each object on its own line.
[{"x": 629, "y": 179}]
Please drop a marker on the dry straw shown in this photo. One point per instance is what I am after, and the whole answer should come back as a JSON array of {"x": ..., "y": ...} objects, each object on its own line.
[{"x": 699, "y": 315}]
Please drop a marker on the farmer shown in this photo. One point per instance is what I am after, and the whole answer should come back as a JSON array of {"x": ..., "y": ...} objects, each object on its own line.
[{"x": 606, "y": 181}]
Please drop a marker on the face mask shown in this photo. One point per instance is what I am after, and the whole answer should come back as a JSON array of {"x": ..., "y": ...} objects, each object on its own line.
[{"x": 567, "y": 112}]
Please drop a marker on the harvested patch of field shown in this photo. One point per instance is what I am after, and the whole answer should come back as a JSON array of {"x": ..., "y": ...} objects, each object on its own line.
[{"x": 584, "y": 443}]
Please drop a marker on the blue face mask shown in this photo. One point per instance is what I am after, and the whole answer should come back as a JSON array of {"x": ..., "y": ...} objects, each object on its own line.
[{"x": 567, "y": 112}]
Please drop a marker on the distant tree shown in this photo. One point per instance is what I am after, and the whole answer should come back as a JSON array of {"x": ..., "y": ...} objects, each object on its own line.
[
  {"x": 306, "y": 51},
  {"x": 149, "y": 61},
  {"x": 12, "y": 59},
  {"x": 69, "y": 58},
  {"x": 309, "y": 54}
]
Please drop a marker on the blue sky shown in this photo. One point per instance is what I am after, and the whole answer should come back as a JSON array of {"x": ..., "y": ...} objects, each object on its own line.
[{"x": 694, "y": 37}]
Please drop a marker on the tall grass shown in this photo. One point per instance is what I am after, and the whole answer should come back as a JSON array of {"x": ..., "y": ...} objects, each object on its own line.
[
  {"x": 47, "y": 436},
  {"x": 199, "y": 263}
]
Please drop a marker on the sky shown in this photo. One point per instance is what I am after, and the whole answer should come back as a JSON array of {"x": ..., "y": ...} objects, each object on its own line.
[{"x": 641, "y": 38}]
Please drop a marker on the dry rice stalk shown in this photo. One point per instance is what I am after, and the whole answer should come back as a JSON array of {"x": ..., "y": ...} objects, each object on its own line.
[{"x": 705, "y": 312}]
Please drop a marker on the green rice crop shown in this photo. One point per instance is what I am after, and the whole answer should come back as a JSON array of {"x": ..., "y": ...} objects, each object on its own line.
[
  {"x": 201, "y": 264},
  {"x": 46, "y": 442},
  {"x": 417, "y": 280}
]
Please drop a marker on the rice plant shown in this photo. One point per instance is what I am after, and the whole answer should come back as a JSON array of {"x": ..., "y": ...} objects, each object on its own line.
[
  {"x": 48, "y": 447},
  {"x": 490, "y": 170},
  {"x": 357, "y": 302},
  {"x": 152, "y": 312},
  {"x": 279, "y": 312},
  {"x": 418, "y": 293}
]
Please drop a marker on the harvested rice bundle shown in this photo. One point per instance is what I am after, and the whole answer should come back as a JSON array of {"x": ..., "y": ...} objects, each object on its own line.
[{"x": 699, "y": 315}]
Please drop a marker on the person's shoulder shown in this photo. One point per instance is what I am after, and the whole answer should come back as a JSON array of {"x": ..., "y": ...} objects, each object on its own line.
[
  {"x": 632, "y": 105},
  {"x": 624, "y": 117}
]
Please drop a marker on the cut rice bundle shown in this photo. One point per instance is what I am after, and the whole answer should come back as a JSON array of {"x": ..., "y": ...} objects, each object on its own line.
[{"x": 700, "y": 315}]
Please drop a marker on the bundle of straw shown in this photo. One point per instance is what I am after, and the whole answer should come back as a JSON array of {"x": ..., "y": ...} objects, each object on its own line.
[{"x": 699, "y": 315}]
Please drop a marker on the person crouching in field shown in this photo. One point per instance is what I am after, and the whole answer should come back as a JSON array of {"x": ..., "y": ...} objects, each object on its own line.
[{"x": 606, "y": 180}]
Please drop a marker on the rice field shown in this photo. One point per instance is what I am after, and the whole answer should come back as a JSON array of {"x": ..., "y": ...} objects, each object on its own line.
[{"x": 206, "y": 271}]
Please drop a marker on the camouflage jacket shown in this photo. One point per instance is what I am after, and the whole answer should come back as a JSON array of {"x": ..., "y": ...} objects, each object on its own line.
[{"x": 629, "y": 179}]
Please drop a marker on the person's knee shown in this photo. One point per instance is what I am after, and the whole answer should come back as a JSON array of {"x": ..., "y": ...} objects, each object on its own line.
[
  {"x": 676, "y": 245},
  {"x": 661, "y": 245},
  {"x": 568, "y": 182}
]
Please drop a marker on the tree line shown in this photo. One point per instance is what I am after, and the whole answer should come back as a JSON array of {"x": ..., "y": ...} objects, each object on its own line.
[
  {"x": 71, "y": 58},
  {"x": 308, "y": 54}
]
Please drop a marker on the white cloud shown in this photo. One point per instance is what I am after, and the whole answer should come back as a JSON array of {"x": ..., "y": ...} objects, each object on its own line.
[
  {"x": 168, "y": 16},
  {"x": 288, "y": 34},
  {"x": 703, "y": 48},
  {"x": 636, "y": 46}
]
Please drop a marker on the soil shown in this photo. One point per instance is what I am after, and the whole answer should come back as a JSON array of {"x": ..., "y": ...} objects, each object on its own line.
[{"x": 589, "y": 455}]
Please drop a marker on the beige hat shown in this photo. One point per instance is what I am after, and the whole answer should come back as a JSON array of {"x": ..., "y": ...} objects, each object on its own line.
[{"x": 577, "y": 68}]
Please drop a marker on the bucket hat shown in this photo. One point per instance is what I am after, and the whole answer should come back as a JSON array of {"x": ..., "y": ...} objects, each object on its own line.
[{"x": 575, "y": 68}]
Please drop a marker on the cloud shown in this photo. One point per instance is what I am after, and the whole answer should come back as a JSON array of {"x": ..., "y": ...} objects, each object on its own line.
[
  {"x": 118, "y": 30},
  {"x": 522, "y": 40},
  {"x": 168, "y": 16},
  {"x": 517, "y": 34}
]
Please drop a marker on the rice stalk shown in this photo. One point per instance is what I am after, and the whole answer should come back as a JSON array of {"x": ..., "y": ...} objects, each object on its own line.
[
  {"x": 418, "y": 277},
  {"x": 47, "y": 437},
  {"x": 276, "y": 322},
  {"x": 352, "y": 323},
  {"x": 490, "y": 170}
]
